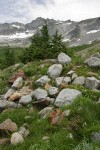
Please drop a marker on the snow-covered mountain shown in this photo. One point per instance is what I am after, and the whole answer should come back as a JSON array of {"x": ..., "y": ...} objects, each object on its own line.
[{"x": 76, "y": 33}]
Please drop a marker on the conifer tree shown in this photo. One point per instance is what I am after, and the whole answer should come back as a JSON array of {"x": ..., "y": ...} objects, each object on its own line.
[
  {"x": 57, "y": 44},
  {"x": 9, "y": 57}
]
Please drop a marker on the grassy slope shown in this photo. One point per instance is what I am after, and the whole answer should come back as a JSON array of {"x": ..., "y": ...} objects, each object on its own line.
[
  {"x": 89, "y": 51},
  {"x": 85, "y": 113}
]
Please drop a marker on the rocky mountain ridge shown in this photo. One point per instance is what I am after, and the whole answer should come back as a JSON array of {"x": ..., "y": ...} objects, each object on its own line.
[{"x": 76, "y": 33}]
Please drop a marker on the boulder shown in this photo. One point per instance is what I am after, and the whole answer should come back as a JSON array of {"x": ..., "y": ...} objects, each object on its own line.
[
  {"x": 51, "y": 100},
  {"x": 45, "y": 112},
  {"x": 16, "y": 138},
  {"x": 18, "y": 83},
  {"x": 56, "y": 117},
  {"x": 63, "y": 58},
  {"x": 40, "y": 94},
  {"x": 93, "y": 62},
  {"x": 9, "y": 93},
  {"x": 52, "y": 91},
  {"x": 6, "y": 104},
  {"x": 24, "y": 100},
  {"x": 42, "y": 81},
  {"x": 67, "y": 96},
  {"x": 66, "y": 80},
  {"x": 8, "y": 125},
  {"x": 96, "y": 136},
  {"x": 17, "y": 75},
  {"x": 91, "y": 83},
  {"x": 25, "y": 90},
  {"x": 42, "y": 103},
  {"x": 74, "y": 75},
  {"x": 79, "y": 80},
  {"x": 96, "y": 55},
  {"x": 66, "y": 113},
  {"x": 4, "y": 141},
  {"x": 70, "y": 72},
  {"x": 55, "y": 70},
  {"x": 15, "y": 96},
  {"x": 23, "y": 132},
  {"x": 59, "y": 81}
]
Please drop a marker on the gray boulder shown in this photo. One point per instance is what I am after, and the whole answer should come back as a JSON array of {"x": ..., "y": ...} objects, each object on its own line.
[
  {"x": 16, "y": 138},
  {"x": 9, "y": 93},
  {"x": 63, "y": 58},
  {"x": 24, "y": 100},
  {"x": 18, "y": 83},
  {"x": 91, "y": 83},
  {"x": 74, "y": 75},
  {"x": 55, "y": 70},
  {"x": 7, "y": 104},
  {"x": 70, "y": 72},
  {"x": 52, "y": 90},
  {"x": 66, "y": 80},
  {"x": 45, "y": 112},
  {"x": 40, "y": 94},
  {"x": 23, "y": 132},
  {"x": 79, "y": 80},
  {"x": 43, "y": 80},
  {"x": 93, "y": 62},
  {"x": 59, "y": 81},
  {"x": 96, "y": 137},
  {"x": 67, "y": 96},
  {"x": 96, "y": 55}
]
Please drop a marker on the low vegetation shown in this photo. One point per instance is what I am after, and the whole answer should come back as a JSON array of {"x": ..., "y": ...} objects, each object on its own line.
[{"x": 74, "y": 132}]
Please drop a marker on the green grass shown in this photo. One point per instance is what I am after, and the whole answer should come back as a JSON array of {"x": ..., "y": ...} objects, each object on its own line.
[
  {"x": 84, "y": 113},
  {"x": 82, "y": 121}
]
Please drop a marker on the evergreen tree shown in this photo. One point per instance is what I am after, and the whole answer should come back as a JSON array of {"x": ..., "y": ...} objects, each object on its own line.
[
  {"x": 9, "y": 57},
  {"x": 45, "y": 37},
  {"x": 43, "y": 47},
  {"x": 57, "y": 44}
]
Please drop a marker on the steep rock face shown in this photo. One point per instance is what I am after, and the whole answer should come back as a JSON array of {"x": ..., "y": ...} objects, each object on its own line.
[{"x": 76, "y": 33}]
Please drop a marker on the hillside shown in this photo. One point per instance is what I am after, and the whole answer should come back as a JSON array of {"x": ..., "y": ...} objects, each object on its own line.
[{"x": 52, "y": 103}]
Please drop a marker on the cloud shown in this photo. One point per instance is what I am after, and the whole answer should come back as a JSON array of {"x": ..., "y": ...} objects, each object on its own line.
[{"x": 27, "y": 10}]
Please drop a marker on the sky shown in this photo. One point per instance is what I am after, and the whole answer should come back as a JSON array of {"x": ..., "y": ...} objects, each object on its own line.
[{"x": 25, "y": 11}]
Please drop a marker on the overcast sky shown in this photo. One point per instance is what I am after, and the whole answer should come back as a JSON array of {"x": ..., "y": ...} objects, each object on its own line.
[{"x": 27, "y": 10}]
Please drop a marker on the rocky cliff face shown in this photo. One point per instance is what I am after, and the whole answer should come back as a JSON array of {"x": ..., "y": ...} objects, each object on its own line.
[{"x": 76, "y": 33}]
